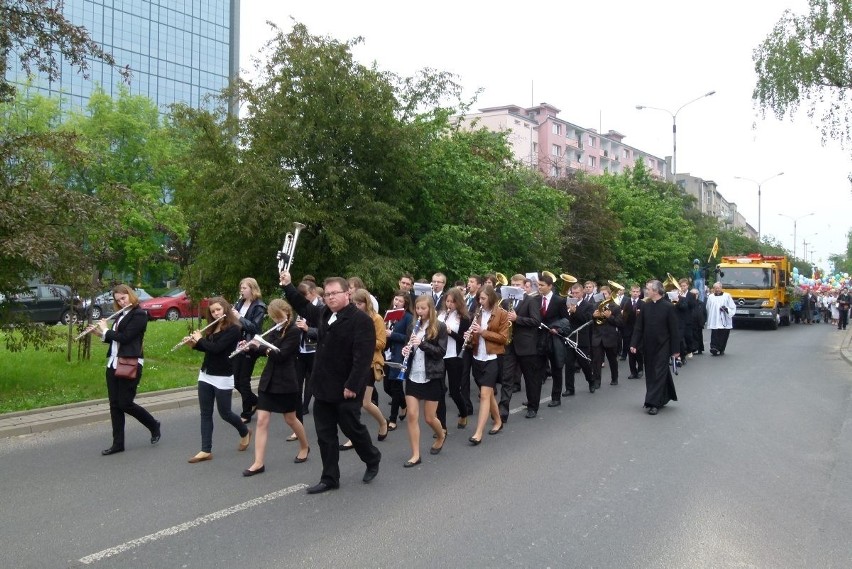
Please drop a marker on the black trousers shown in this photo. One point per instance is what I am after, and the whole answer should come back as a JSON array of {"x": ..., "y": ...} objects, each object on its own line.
[
  {"x": 304, "y": 368},
  {"x": 395, "y": 388},
  {"x": 636, "y": 362},
  {"x": 532, "y": 368},
  {"x": 121, "y": 393},
  {"x": 572, "y": 360},
  {"x": 328, "y": 416},
  {"x": 455, "y": 371},
  {"x": 598, "y": 353},
  {"x": 719, "y": 339},
  {"x": 843, "y": 321},
  {"x": 243, "y": 368},
  {"x": 464, "y": 383}
]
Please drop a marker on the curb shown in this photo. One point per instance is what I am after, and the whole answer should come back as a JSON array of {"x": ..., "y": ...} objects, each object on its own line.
[{"x": 22, "y": 423}]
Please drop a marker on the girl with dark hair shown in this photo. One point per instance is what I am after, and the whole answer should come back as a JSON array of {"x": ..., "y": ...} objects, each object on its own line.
[
  {"x": 125, "y": 341},
  {"x": 457, "y": 321},
  {"x": 251, "y": 311},
  {"x": 216, "y": 378},
  {"x": 397, "y": 339}
]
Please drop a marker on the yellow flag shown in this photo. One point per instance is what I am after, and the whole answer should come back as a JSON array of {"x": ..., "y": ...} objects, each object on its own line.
[{"x": 714, "y": 251}]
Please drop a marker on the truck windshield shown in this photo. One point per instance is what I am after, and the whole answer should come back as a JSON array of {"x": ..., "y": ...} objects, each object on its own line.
[{"x": 748, "y": 277}]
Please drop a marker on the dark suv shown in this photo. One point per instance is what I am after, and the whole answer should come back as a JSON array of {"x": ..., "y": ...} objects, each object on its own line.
[{"x": 48, "y": 303}]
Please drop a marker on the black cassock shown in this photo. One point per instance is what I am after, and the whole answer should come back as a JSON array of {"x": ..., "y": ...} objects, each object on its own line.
[{"x": 656, "y": 335}]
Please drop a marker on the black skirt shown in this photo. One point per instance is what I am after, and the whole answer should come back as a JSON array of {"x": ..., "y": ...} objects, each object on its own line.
[
  {"x": 429, "y": 391},
  {"x": 487, "y": 373},
  {"x": 278, "y": 402}
]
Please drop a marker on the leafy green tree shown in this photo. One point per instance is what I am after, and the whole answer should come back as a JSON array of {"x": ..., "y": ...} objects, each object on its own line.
[
  {"x": 807, "y": 61},
  {"x": 654, "y": 238}
]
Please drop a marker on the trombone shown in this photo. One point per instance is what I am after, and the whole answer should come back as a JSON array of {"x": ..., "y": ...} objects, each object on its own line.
[
  {"x": 90, "y": 329},
  {"x": 189, "y": 338}
]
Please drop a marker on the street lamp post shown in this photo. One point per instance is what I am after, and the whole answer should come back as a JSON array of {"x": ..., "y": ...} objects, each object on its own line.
[
  {"x": 759, "y": 184},
  {"x": 795, "y": 219},
  {"x": 674, "y": 125}
]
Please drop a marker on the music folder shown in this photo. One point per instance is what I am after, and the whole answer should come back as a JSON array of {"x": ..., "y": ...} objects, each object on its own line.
[
  {"x": 513, "y": 292},
  {"x": 422, "y": 288},
  {"x": 571, "y": 301},
  {"x": 394, "y": 315}
]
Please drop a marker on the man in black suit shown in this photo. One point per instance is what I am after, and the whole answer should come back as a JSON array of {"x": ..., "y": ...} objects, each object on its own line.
[
  {"x": 578, "y": 315},
  {"x": 554, "y": 315},
  {"x": 656, "y": 330},
  {"x": 630, "y": 308},
  {"x": 605, "y": 338},
  {"x": 439, "y": 282},
  {"x": 522, "y": 353},
  {"x": 345, "y": 344}
]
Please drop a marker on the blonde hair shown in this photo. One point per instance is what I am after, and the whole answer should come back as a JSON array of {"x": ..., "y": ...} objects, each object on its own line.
[
  {"x": 255, "y": 288},
  {"x": 362, "y": 295},
  {"x": 278, "y": 308},
  {"x": 132, "y": 297},
  {"x": 432, "y": 329}
]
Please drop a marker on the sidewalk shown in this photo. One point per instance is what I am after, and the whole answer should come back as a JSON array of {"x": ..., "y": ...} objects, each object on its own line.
[
  {"x": 84, "y": 412},
  {"x": 50, "y": 418}
]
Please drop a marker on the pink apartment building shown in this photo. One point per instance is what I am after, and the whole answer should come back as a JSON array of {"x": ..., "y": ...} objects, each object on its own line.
[{"x": 556, "y": 147}]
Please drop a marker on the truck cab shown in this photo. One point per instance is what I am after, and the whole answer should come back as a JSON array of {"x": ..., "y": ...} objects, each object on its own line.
[{"x": 758, "y": 285}]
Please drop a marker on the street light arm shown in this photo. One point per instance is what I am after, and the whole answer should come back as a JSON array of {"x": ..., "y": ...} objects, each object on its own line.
[{"x": 693, "y": 100}]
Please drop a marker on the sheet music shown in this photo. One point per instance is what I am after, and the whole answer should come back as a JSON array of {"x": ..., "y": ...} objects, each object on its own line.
[
  {"x": 422, "y": 288},
  {"x": 513, "y": 292}
]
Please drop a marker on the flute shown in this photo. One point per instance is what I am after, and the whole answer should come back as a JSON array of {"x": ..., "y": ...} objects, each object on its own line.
[
  {"x": 91, "y": 328},
  {"x": 189, "y": 338},
  {"x": 245, "y": 347}
]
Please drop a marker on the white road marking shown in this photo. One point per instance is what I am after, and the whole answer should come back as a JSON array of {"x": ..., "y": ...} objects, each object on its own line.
[
  {"x": 174, "y": 530},
  {"x": 522, "y": 408}
]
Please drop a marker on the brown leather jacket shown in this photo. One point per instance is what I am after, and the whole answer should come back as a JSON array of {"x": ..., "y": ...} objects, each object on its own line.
[{"x": 496, "y": 335}]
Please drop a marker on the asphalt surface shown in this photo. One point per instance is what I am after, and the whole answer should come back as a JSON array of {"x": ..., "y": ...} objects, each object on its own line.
[{"x": 751, "y": 468}]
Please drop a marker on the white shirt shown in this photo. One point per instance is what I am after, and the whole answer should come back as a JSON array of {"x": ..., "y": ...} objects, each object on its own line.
[
  {"x": 481, "y": 353},
  {"x": 452, "y": 321},
  {"x": 716, "y": 317},
  {"x": 418, "y": 364}
]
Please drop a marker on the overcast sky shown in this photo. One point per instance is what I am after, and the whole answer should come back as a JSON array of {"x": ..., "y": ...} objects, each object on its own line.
[{"x": 596, "y": 61}]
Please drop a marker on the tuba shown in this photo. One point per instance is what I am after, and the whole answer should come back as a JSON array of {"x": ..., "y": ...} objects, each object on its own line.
[
  {"x": 616, "y": 288},
  {"x": 567, "y": 281},
  {"x": 285, "y": 255},
  {"x": 501, "y": 279},
  {"x": 670, "y": 283}
]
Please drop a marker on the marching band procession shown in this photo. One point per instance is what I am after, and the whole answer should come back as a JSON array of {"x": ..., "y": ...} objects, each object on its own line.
[{"x": 328, "y": 344}]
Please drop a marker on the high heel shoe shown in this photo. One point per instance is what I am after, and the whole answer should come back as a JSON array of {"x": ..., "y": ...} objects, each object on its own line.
[
  {"x": 474, "y": 441},
  {"x": 298, "y": 460}
]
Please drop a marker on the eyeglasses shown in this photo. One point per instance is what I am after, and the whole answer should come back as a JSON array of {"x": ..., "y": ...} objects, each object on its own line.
[
  {"x": 439, "y": 282},
  {"x": 333, "y": 293}
]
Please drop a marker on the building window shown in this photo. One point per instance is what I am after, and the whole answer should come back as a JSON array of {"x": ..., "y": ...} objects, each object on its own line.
[
  {"x": 557, "y": 128},
  {"x": 593, "y": 162},
  {"x": 554, "y": 171},
  {"x": 555, "y": 150},
  {"x": 626, "y": 153},
  {"x": 592, "y": 141}
]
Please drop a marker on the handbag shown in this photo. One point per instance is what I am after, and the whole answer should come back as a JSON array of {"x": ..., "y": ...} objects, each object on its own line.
[{"x": 127, "y": 368}]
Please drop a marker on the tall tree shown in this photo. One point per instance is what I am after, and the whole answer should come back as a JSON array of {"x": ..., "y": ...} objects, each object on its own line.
[{"x": 807, "y": 61}]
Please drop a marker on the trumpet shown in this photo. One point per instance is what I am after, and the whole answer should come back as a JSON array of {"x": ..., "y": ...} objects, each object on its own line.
[
  {"x": 90, "y": 329},
  {"x": 285, "y": 255},
  {"x": 189, "y": 338},
  {"x": 260, "y": 339}
]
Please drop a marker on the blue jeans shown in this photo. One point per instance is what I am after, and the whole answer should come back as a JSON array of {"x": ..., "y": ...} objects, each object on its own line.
[{"x": 206, "y": 395}]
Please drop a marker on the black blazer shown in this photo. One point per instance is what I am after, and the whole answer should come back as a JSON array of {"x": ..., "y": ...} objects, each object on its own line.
[
  {"x": 129, "y": 334},
  {"x": 458, "y": 337},
  {"x": 217, "y": 347},
  {"x": 580, "y": 316},
  {"x": 252, "y": 323},
  {"x": 628, "y": 315},
  {"x": 344, "y": 357},
  {"x": 434, "y": 350},
  {"x": 607, "y": 334},
  {"x": 279, "y": 374},
  {"x": 526, "y": 329}
]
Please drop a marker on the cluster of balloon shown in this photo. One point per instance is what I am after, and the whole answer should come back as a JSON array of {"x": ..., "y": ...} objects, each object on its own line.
[{"x": 825, "y": 283}]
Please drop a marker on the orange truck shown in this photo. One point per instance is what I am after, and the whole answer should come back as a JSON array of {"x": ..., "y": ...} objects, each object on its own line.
[{"x": 758, "y": 284}]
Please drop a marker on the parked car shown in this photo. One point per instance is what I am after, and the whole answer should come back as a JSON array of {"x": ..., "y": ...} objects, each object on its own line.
[
  {"x": 171, "y": 306},
  {"x": 103, "y": 305},
  {"x": 49, "y": 303}
]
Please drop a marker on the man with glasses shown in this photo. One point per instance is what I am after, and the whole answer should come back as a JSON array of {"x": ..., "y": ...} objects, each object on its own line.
[
  {"x": 346, "y": 339},
  {"x": 439, "y": 281}
]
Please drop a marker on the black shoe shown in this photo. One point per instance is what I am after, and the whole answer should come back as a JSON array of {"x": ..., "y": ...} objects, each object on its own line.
[
  {"x": 622, "y": 358},
  {"x": 260, "y": 470},
  {"x": 371, "y": 472},
  {"x": 633, "y": 376},
  {"x": 322, "y": 487},
  {"x": 112, "y": 450},
  {"x": 652, "y": 411},
  {"x": 714, "y": 352},
  {"x": 614, "y": 382},
  {"x": 474, "y": 441},
  {"x": 554, "y": 403},
  {"x": 345, "y": 447},
  {"x": 409, "y": 464},
  {"x": 592, "y": 388},
  {"x": 155, "y": 434},
  {"x": 566, "y": 393},
  {"x": 531, "y": 413}
]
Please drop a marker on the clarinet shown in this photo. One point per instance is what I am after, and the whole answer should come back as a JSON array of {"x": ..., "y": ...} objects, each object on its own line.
[
  {"x": 468, "y": 342},
  {"x": 404, "y": 368}
]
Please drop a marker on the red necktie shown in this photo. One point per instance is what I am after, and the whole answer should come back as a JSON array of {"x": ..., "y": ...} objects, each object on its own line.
[{"x": 543, "y": 305}]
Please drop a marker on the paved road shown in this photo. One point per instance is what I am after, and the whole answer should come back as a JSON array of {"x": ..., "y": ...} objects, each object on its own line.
[{"x": 751, "y": 468}]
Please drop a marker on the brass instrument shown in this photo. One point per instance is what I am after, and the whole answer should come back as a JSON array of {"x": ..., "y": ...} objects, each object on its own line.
[
  {"x": 567, "y": 282},
  {"x": 501, "y": 279},
  {"x": 549, "y": 274},
  {"x": 602, "y": 305},
  {"x": 285, "y": 255},
  {"x": 90, "y": 329},
  {"x": 260, "y": 339},
  {"x": 616, "y": 288},
  {"x": 189, "y": 338},
  {"x": 670, "y": 283}
]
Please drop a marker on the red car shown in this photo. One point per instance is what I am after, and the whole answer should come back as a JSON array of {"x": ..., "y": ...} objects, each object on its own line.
[{"x": 171, "y": 306}]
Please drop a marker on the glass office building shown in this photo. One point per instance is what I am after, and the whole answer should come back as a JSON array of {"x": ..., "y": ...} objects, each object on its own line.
[{"x": 176, "y": 50}]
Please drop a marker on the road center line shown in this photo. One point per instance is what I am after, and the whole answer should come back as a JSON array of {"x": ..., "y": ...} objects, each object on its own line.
[
  {"x": 174, "y": 530},
  {"x": 523, "y": 408}
]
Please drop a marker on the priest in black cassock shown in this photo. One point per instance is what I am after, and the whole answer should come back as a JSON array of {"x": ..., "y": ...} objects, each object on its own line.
[{"x": 656, "y": 335}]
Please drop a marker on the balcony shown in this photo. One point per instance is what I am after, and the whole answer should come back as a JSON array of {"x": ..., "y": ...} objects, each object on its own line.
[{"x": 572, "y": 143}]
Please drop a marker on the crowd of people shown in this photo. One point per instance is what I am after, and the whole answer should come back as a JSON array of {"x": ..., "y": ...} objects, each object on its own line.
[{"x": 330, "y": 346}]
